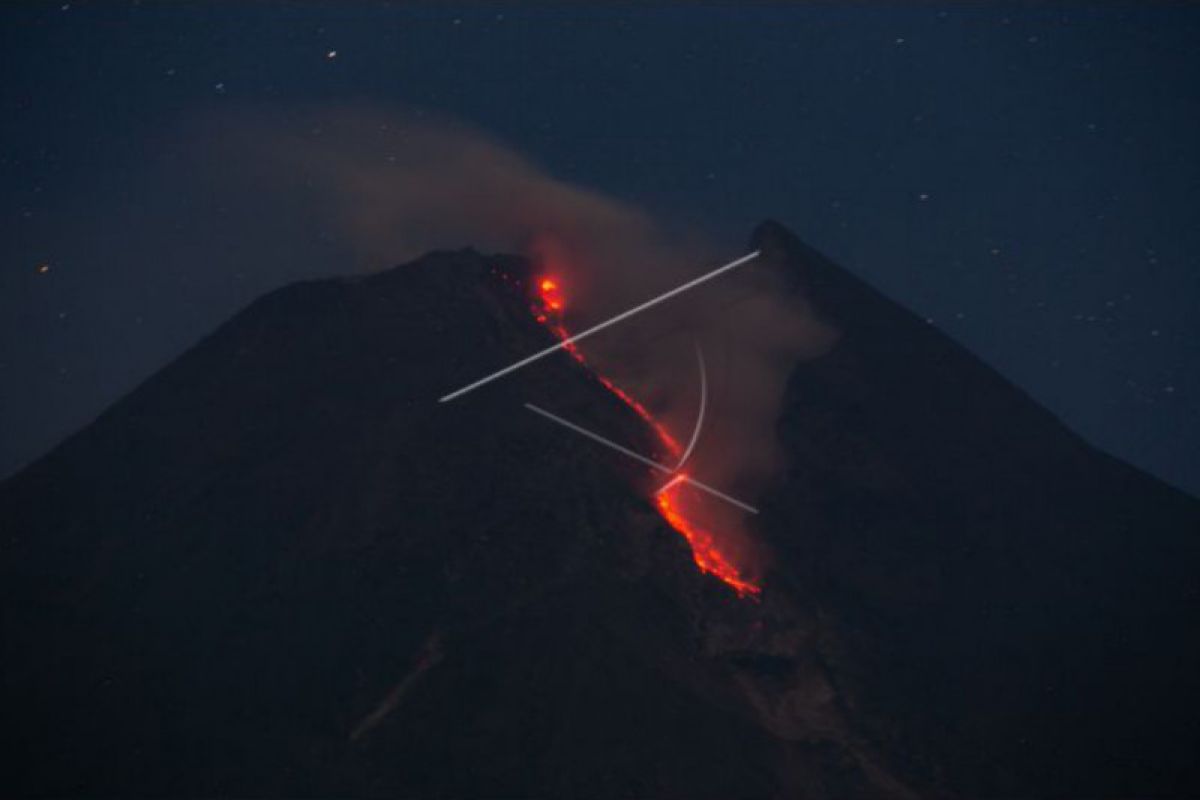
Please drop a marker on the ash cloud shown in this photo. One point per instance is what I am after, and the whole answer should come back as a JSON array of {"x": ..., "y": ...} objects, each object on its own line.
[{"x": 399, "y": 184}]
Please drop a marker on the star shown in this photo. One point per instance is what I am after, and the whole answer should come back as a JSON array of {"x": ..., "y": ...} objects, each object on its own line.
[
  {"x": 42, "y": 269},
  {"x": 331, "y": 55}
]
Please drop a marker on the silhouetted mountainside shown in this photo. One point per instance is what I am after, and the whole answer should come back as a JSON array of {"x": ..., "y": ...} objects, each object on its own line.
[
  {"x": 280, "y": 567},
  {"x": 1009, "y": 606}
]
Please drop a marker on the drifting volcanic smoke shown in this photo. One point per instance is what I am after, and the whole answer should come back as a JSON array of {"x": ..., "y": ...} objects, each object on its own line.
[{"x": 399, "y": 185}]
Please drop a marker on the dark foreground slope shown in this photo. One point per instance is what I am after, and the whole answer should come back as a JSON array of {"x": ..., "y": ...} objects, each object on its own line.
[
  {"x": 280, "y": 567},
  {"x": 1013, "y": 612}
]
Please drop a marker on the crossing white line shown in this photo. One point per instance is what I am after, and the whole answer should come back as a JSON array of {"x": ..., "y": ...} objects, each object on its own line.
[
  {"x": 597, "y": 328},
  {"x": 679, "y": 477},
  {"x": 597, "y": 438}
]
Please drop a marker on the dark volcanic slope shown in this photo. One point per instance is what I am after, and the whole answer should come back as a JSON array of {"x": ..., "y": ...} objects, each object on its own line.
[
  {"x": 280, "y": 567},
  {"x": 1011, "y": 608}
]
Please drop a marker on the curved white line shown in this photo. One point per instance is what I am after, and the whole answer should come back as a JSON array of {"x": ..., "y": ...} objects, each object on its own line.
[{"x": 699, "y": 417}]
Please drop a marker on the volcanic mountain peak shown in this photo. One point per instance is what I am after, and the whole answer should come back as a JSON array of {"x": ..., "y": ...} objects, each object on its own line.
[{"x": 280, "y": 567}]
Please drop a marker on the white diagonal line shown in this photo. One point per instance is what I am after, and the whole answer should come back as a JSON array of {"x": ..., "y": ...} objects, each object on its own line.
[
  {"x": 595, "y": 437},
  {"x": 704, "y": 487},
  {"x": 597, "y": 328}
]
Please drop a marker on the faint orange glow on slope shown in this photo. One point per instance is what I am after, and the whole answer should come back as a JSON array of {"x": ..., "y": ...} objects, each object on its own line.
[{"x": 705, "y": 550}]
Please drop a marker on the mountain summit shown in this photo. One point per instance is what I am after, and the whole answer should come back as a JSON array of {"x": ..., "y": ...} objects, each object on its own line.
[{"x": 280, "y": 567}]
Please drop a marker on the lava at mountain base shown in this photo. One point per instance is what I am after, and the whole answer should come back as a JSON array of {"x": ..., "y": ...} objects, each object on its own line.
[{"x": 708, "y": 556}]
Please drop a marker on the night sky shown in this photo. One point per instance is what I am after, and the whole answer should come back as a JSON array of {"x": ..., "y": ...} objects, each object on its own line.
[{"x": 1026, "y": 179}]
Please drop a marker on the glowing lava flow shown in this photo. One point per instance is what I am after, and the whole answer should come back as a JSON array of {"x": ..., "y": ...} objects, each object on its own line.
[{"x": 705, "y": 552}]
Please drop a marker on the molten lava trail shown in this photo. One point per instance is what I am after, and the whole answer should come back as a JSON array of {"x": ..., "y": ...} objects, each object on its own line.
[{"x": 706, "y": 552}]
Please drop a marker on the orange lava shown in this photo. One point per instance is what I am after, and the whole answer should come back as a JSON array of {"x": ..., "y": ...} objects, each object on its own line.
[{"x": 705, "y": 551}]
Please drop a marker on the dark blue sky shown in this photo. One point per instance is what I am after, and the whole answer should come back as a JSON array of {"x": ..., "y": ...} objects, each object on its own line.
[{"x": 1027, "y": 179}]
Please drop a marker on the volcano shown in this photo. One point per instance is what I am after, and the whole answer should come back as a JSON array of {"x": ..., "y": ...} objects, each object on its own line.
[{"x": 280, "y": 568}]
